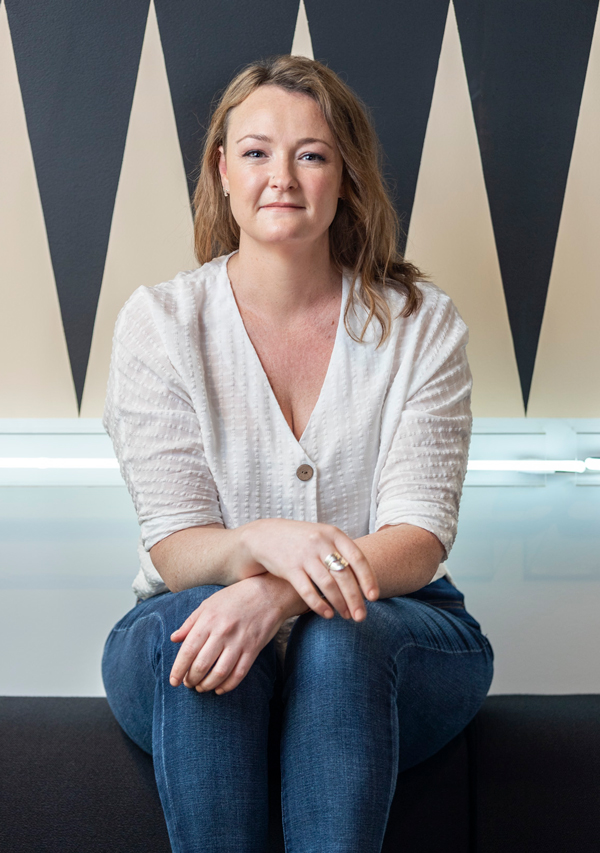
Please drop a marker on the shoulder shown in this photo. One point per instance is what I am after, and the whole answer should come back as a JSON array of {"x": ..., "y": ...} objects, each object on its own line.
[
  {"x": 436, "y": 312},
  {"x": 431, "y": 335},
  {"x": 170, "y": 303},
  {"x": 434, "y": 302}
]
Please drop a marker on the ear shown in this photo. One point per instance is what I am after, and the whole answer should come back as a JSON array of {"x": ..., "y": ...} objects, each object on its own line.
[{"x": 223, "y": 167}]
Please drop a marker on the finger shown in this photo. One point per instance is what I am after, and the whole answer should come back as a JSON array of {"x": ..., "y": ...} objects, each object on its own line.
[
  {"x": 329, "y": 587},
  {"x": 305, "y": 588},
  {"x": 238, "y": 673},
  {"x": 348, "y": 584},
  {"x": 186, "y": 654},
  {"x": 203, "y": 661},
  {"x": 222, "y": 668},
  {"x": 360, "y": 565},
  {"x": 181, "y": 633}
]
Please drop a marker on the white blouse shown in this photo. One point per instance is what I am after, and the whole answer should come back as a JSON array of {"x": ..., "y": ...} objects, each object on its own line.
[{"x": 200, "y": 436}]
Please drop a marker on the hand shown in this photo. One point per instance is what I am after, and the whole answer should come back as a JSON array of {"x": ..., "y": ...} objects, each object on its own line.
[
  {"x": 228, "y": 629},
  {"x": 295, "y": 550}
]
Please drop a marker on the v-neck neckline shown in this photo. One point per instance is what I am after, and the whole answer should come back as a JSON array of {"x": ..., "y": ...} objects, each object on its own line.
[{"x": 258, "y": 364}]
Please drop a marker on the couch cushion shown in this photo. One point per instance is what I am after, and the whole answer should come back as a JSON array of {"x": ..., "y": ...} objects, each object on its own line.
[
  {"x": 536, "y": 763},
  {"x": 430, "y": 809},
  {"x": 73, "y": 782}
]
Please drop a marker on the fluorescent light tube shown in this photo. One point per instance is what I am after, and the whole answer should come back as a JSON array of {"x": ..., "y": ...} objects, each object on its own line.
[
  {"x": 55, "y": 462},
  {"x": 529, "y": 466}
]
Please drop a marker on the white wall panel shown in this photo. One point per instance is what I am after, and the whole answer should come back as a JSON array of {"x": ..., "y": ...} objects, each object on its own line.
[
  {"x": 35, "y": 374},
  {"x": 565, "y": 380},
  {"x": 302, "y": 45},
  {"x": 451, "y": 236},
  {"x": 151, "y": 237}
]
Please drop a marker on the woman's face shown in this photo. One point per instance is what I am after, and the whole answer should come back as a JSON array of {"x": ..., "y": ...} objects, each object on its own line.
[{"x": 281, "y": 166}]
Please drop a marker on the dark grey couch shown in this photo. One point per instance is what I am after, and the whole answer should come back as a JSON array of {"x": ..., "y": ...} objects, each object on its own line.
[{"x": 524, "y": 776}]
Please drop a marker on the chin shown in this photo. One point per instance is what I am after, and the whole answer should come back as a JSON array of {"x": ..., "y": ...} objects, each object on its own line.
[{"x": 275, "y": 238}]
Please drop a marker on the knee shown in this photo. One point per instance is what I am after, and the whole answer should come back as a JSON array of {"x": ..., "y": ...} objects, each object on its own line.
[
  {"x": 175, "y": 607},
  {"x": 339, "y": 647}
]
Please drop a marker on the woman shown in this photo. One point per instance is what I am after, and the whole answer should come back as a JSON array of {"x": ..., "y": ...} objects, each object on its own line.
[{"x": 292, "y": 420}]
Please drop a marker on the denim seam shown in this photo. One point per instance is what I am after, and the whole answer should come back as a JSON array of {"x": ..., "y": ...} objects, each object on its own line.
[
  {"x": 162, "y": 730},
  {"x": 283, "y": 813},
  {"x": 394, "y": 723},
  {"x": 434, "y": 649},
  {"x": 137, "y": 622}
]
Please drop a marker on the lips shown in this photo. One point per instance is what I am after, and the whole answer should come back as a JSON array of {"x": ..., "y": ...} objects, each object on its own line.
[{"x": 285, "y": 206}]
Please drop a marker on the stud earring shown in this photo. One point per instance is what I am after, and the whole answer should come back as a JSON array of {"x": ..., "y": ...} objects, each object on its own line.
[{"x": 225, "y": 193}]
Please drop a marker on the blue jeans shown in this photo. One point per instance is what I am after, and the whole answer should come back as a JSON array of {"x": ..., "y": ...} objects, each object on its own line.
[{"x": 361, "y": 701}]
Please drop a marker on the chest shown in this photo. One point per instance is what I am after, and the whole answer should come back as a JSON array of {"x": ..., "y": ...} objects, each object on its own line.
[{"x": 295, "y": 358}]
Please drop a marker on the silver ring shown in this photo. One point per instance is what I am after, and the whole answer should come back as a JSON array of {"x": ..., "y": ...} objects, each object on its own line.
[{"x": 335, "y": 562}]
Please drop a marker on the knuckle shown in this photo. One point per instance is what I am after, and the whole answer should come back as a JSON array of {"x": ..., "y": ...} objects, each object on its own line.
[
  {"x": 197, "y": 668},
  {"x": 220, "y": 671}
]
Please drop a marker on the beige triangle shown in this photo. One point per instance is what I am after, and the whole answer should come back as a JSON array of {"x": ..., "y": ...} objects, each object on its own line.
[
  {"x": 151, "y": 236},
  {"x": 302, "y": 44},
  {"x": 566, "y": 379},
  {"x": 35, "y": 374},
  {"x": 451, "y": 236}
]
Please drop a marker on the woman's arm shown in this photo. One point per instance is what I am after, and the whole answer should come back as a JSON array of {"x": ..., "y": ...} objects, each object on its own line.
[
  {"x": 289, "y": 549},
  {"x": 403, "y": 557},
  {"x": 242, "y": 617},
  {"x": 197, "y": 556}
]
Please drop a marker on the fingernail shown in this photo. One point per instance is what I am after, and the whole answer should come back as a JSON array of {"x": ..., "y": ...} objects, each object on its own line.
[
  {"x": 328, "y": 614},
  {"x": 359, "y": 613},
  {"x": 173, "y": 681},
  {"x": 372, "y": 594},
  {"x": 218, "y": 692}
]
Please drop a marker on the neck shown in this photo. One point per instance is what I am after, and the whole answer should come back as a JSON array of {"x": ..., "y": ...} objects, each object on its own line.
[{"x": 279, "y": 281}]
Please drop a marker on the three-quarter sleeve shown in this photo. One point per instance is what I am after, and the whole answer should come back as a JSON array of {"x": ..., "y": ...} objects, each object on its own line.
[
  {"x": 153, "y": 426},
  {"x": 422, "y": 477}
]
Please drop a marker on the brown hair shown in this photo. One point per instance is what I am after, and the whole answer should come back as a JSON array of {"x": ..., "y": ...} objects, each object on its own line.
[{"x": 365, "y": 230}]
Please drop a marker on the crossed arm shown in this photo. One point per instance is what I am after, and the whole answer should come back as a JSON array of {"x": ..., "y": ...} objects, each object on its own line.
[
  {"x": 268, "y": 569},
  {"x": 394, "y": 561}
]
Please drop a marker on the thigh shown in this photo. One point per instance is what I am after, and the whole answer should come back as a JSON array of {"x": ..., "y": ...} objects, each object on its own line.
[
  {"x": 444, "y": 670},
  {"x": 138, "y": 651},
  {"x": 431, "y": 663}
]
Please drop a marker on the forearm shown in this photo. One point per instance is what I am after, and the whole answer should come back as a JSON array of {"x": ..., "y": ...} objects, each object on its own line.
[
  {"x": 198, "y": 556},
  {"x": 403, "y": 557}
]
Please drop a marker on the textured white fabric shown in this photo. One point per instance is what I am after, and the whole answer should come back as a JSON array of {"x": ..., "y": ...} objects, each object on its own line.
[{"x": 200, "y": 437}]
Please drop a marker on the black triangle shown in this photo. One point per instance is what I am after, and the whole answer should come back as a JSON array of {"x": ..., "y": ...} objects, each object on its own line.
[
  {"x": 526, "y": 65},
  {"x": 205, "y": 44},
  {"x": 77, "y": 65},
  {"x": 388, "y": 52}
]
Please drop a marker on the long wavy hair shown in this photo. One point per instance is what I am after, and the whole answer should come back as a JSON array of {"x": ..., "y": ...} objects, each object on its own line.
[{"x": 365, "y": 230}]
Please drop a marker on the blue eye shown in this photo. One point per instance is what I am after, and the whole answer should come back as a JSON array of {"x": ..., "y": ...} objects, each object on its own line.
[{"x": 259, "y": 154}]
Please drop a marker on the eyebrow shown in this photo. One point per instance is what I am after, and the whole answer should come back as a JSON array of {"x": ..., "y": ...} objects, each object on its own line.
[{"x": 262, "y": 138}]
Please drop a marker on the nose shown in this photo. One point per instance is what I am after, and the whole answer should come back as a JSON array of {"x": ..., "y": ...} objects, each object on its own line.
[{"x": 282, "y": 177}]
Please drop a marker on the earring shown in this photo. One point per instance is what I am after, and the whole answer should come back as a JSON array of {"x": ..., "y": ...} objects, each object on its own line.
[{"x": 225, "y": 193}]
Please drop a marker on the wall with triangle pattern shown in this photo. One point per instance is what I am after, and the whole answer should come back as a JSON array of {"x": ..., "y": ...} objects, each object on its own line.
[{"x": 488, "y": 112}]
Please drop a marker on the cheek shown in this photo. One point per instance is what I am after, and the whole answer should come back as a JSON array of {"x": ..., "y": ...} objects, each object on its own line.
[
  {"x": 326, "y": 190},
  {"x": 249, "y": 186}
]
